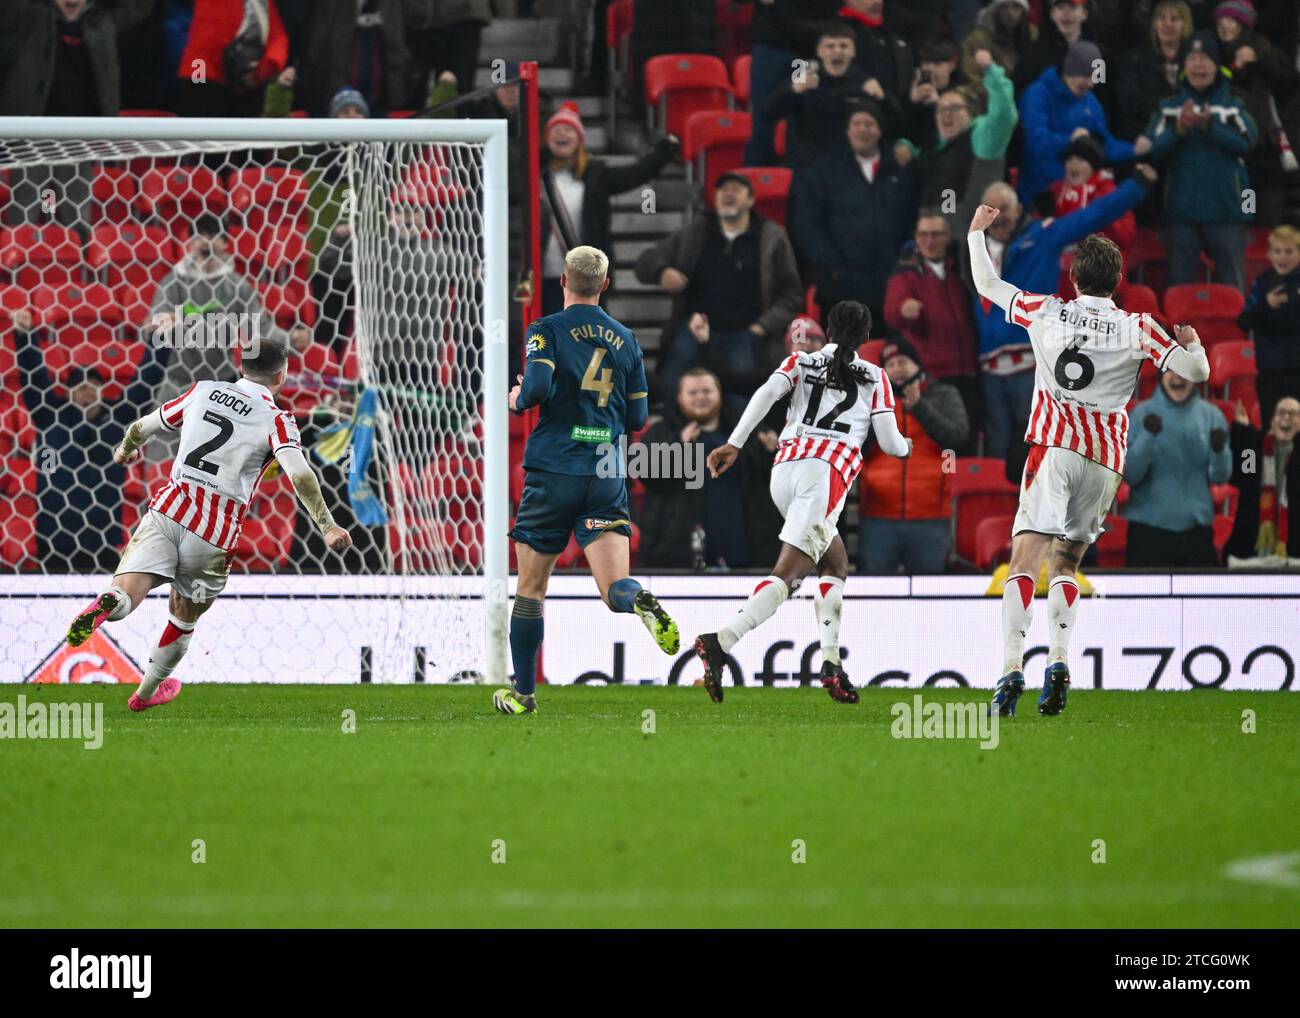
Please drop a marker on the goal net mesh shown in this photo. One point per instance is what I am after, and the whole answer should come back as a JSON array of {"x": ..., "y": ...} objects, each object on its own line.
[{"x": 128, "y": 271}]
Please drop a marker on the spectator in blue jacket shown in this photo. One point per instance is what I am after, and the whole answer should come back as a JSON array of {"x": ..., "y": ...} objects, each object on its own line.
[
  {"x": 1200, "y": 137},
  {"x": 1027, "y": 251},
  {"x": 853, "y": 209},
  {"x": 1272, "y": 317},
  {"x": 1056, "y": 109},
  {"x": 1178, "y": 447}
]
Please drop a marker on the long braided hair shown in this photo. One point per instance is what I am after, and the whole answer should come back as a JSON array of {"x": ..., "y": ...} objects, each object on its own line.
[{"x": 848, "y": 326}]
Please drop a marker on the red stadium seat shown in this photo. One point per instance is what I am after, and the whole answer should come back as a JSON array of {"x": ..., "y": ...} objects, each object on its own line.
[
  {"x": 870, "y": 350},
  {"x": 136, "y": 302},
  {"x": 1139, "y": 300},
  {"x": 679, "y": 84},
  {"x": 41, "y": 255},
  {"x": 267, "y": 534},
  {"x": 1225, "y": 498},
  {"x": 1216, "y": 331},
  {"x": 267, "y": 194},
  {"x": 1201, "y": 301},
  {"x": 980, "y": 489},
  {"x": 779, "y": 134},
  {"x": 17, "y": 433},
  {"x": 275, "y": 253},
  {"x": 401, "y": 114},
  {"x": 1222, "y": 532},
  {"x": 714, "y": 144},
  {"x": 113, "y": 188},
  {"x": 1226, "y": 408},
  {"x": 1233, "y": 370},
  {"x": 733, "y": 19},
  {"x": 993, "y": 541},
  {"x": 131, "y": 253},
  {"x": 1148, "y": 379},
  {"x": 18, "y": 533},
  {"x": 79, "y": 314},
  {"x": 771, "y": 190},
  {"x": 178, "y": 195},
  {"x": 740, "y": 78},
  {"x": 290, "y": 304},
  {"x": 1112, "y": 545},
  {"x": 516, "y": 482}
]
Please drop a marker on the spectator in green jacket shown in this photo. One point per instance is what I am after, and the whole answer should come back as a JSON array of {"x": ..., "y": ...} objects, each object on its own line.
[
  {"x": 1200, "y": 138},
  {"x": 971, "y": 150}
]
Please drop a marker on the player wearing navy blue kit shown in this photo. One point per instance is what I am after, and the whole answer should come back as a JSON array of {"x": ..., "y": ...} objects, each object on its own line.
[{"x": 584, "y": 370}]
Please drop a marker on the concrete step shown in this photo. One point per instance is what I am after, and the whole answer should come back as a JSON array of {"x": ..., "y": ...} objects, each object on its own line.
[
  {"x": 556, "y": 80},
  {"x": 673, "y": 171},
  {"x": 639, "y": 224},
  {"x": 671, "y": 195},
  {"x": 545, "y": 40},
  {"x": 625, "y": 282},
  {"x": 630, "y": 308}
]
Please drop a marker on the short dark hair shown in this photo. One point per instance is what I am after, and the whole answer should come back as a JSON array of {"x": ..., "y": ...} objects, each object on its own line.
[
  {"x": 1098, "y": 266},
  {"x": 836, "y": 30},
  {"x": 937, "y": 51},
  {"x": 270, "y": 358},
  {"x": 699, "y": 371},
  {"x": 208, "y": 225},
  {"x": 734, "y": 178}
]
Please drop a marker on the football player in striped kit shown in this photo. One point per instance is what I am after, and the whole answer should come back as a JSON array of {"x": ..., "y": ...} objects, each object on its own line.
[
  {"x": 1089, "y": 354},
  {"x": 230, "y": 433},
  {"x": 836, "y": 399}
]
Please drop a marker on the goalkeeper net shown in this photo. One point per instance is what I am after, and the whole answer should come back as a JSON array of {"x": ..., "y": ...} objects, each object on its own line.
[{"x": 135, "y": 257}]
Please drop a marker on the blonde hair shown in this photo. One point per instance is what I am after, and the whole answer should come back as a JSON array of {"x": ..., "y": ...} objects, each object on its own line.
[
  {"x": 1285, "y": 234},
  {"x": 586, "y": 268},
  {"x": 1184, "y": 13}
]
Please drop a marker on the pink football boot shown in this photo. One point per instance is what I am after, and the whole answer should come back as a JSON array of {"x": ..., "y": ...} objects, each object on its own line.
[{"x": 166, "y": 693}]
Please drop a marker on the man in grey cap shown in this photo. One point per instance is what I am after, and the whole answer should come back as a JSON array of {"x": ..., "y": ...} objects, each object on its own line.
[{"x": 1056, "y": 109}]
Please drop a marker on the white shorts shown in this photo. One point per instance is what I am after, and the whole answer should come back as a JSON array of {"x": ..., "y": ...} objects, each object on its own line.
[
  {"x": 810, "y": 495},
  {"x": 161, "y": 546},
  {"x": 1065, "y": 494}
]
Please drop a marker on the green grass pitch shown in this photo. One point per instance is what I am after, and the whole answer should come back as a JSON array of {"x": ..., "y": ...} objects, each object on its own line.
[{"x": 605, "y": 825}]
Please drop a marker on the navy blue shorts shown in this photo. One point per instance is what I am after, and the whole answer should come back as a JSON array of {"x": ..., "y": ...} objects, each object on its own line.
[{"x": 557, "y": 505}]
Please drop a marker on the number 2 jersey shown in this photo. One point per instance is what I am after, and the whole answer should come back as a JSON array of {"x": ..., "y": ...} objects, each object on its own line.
[
  {"x": 1089, "y": 355},
  {"x": 230, "y": 432},
  {"x": 826, "y": 422}
]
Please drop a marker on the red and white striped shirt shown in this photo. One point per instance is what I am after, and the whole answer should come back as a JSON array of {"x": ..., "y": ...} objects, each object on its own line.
[
  {"x": 230, "y": 434},
  {"x": 827, "y": 423},
  {"x": 1089, "y": 354}
]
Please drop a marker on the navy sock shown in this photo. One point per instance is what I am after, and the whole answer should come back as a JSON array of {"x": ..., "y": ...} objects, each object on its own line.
[
  {"x": 622, "y": 593},
  {"x": 526, "y": 631}
]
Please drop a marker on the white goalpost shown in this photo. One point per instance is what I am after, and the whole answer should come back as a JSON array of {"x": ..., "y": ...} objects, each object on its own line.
[{"x": 134, "y": 253}]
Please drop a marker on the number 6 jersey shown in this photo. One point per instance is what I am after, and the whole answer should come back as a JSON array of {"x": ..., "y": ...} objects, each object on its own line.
[
  {"x": 230, "y": 432},
  {"x": 1089, "y": 355}
]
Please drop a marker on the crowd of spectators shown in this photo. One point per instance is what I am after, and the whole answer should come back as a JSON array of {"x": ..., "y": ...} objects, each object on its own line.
[{"x": 1149, "y": 120}]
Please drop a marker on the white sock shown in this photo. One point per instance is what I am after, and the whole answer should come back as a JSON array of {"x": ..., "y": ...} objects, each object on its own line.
[
  {"x": 828, "y": 602},
  {"x": 124, "y": 605},
  {"x": 768, "y": 596},
  {"x": 1017, "y": 613},
  {"x": 167, "y": 655},
  {"x": 1062, "y": 607}
]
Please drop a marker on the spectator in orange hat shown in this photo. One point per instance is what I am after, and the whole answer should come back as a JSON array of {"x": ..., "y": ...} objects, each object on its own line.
[{"x": 576, "y": 192}]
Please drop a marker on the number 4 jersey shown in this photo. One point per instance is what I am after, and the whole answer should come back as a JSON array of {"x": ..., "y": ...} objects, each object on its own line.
[
  {"x": 230, "y": 432},
  {"x": 1089, "y": 355}
]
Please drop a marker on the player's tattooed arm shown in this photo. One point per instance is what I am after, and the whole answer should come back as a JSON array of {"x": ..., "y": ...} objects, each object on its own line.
[
  {"x": 136, "y": 435},
  {"x": 307, "y": 488}
]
